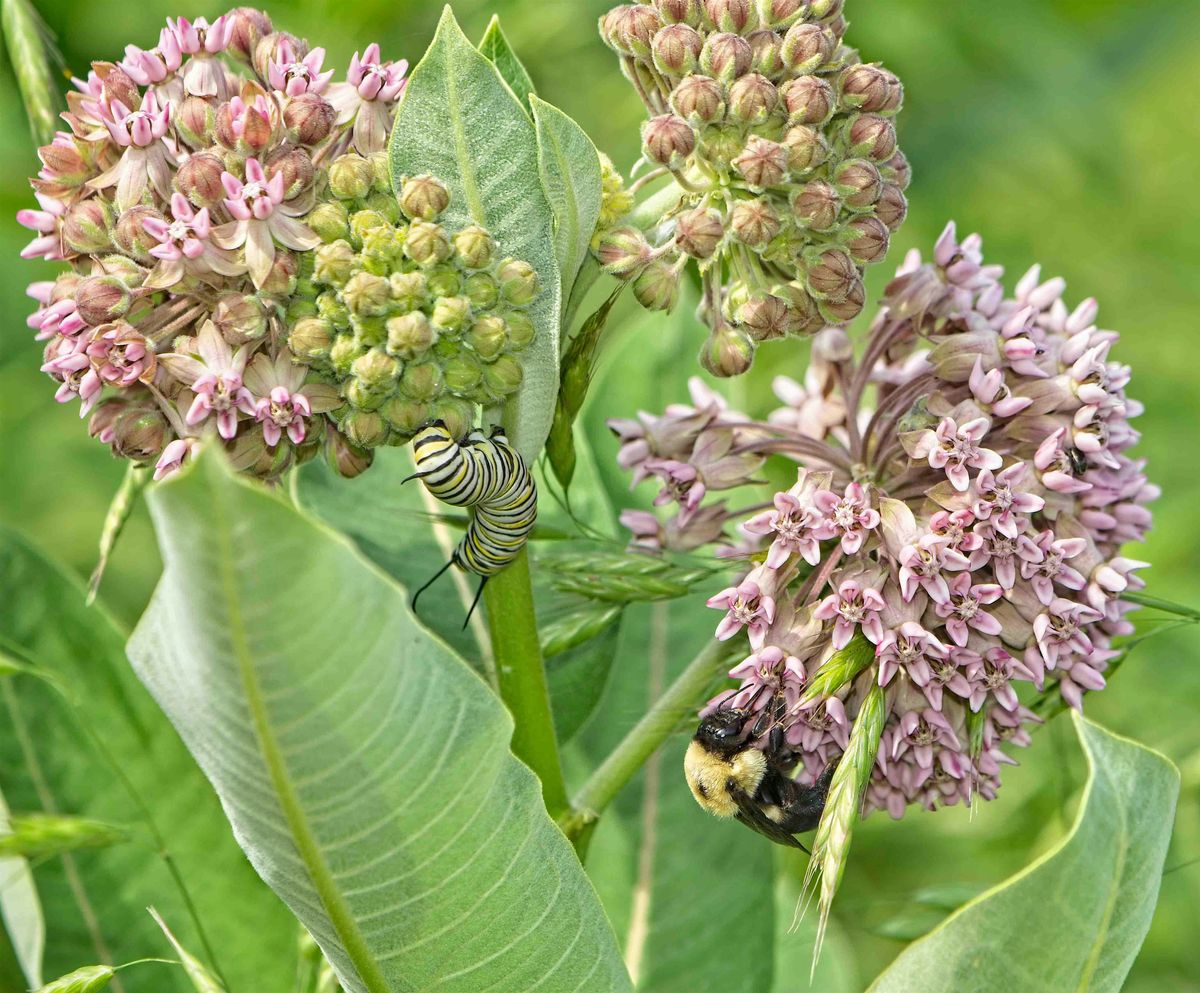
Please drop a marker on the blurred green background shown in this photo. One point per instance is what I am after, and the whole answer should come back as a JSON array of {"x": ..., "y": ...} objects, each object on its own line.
[{"x": 1066, "y": 131}]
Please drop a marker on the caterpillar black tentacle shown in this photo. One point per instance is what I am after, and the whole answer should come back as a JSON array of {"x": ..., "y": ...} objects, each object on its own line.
[{"x": 487, "y": 475}]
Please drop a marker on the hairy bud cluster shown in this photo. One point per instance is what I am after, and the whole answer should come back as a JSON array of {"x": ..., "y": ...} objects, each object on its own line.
[
  {"x": 409, "y": 319},
  {"x": 784, "y": 144},
  {"x": 183, "y": 197},
  {"x": 955, "y": 534}
]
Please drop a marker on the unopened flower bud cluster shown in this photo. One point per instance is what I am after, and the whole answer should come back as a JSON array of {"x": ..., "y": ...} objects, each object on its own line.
[
  {"x": 784, "y": 144},
  {"x": 964, "y": 493},
  {"x": 179, "y": 195},
  {"x": 411, "y": 320}
]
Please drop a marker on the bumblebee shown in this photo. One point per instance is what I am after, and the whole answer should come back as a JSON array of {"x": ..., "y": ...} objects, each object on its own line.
[{"x": 730, "y": 777}]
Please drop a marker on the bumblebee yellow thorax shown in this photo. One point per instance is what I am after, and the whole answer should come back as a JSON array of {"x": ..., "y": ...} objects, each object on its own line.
[{"x": 708, "y": 776}]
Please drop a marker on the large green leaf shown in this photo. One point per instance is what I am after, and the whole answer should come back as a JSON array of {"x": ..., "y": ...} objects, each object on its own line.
[
  {"x": 1075, "y": 918},
  {"x": 495, "y": 46},
  {"x": 95, "y": 901},
  {"x": 363, "y": 764},
  {"x": 22, "y": 924},
  {"x": 570, "y": 169},
  {"x": 460, "y": 121}
]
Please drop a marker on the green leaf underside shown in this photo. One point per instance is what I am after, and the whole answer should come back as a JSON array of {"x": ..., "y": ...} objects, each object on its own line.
[
  {"x": 1075, "y": 918},
  {"x": 496, "y": 48},
  {"x": 570, "y": 170},
  {"x": 460, "y": 121},
  {"x": 97, "y": 899},
  {"x": 21, "y": 920},
  {"x": 361, "y": 762}
]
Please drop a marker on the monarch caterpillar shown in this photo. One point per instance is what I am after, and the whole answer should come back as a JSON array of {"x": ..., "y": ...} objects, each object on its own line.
[{"x": 489, "y": 476}]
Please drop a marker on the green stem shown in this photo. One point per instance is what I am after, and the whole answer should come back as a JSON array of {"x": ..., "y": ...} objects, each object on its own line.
[
  {"x": 24, "y": 35},
  {"x": 522, "y": 677},
  {"x": 639, "y": 744}
]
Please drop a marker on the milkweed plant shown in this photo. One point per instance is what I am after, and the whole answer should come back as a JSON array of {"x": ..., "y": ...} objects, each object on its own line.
[{"x": 273, "y": 269}]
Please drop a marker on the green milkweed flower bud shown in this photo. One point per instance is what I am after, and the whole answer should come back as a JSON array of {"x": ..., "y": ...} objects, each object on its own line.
[
  {"x": 503, "y": 377},
  {"x": 870, "y": 136},
  {"x": 458, "y": 415},
  {"x": 410, "y": 335},
  {"x": 668, "y": 140},
  {"x": 345, "y": 458},
  {"x": 806, "y": 47},
  {"x": 381, "y": 165},
  {"x": 126, "y": 270},
  {"x": 866, "y": 239},
  {"x": 410, "y": 290},
  {"x": 86, "y": 227},
  {"x": 367, "y": 295},
  {"x": 488, "y": 336},
  {"x": 369, "y": 330},
  {"x": 421, "y": 380},
  {"x": 308, "y": 119},
  {"x": 807, "y": 149},
  {"x": 824, "y": 10},
  {"x": 676, "y": 49},
  {"x": 699, "y": 231},
  {"x": 362, "y": 222},
  {"x": 426, "y": 244},
  {"x": 518, "y": 282},
  {"x": 482, "y": 290},
  {"x": 365, "y": 428},
  {"x": 657, "y": 286},
  {"x": 89, "y": 979},
  {"x": 729, "y": 351},
  {"x": 859, "y": 183},
  {"x": 311, "y": 338},
  {"x": 462, "y": 373},
  {"x": 100, "y": 299},
  {"x": 768, "y": 54},
  {"x": 450, "y": 315},
  {"x": 474, "y": 247},
  {"x": 333, "y": 310},
  {"x": 678, "y": 11},
  {"x": 762, "y": 163},
  {"x": 752, "y": 99},
  {"x": 377, "y": 370},
  {"x": 423, "y": 198},
  {"x": 360, "y": 396},
  {"x": 816, "y": 205},
  {"x": 240, "y": 319},
  {"x": 343, "y": 352},
  {"x": 330, "y": 221},
  {"x": 730, "y": 15},
  {"x": 445, "y": 281},
  {"x": 700, "y": 99},
  {"x": 350, "y": 177},
  {"x": 382, "y": 249},
  {"x": 281, "y": 278},
  {"x": 726, "y": 56},
  {"x": 754, "y": 222},
  {"x": 829, "y": 274},
  {"x": 892, "y": 206},
  {"x": 521, "y": 330},
  {"x": 808, "y": 99},
  {"x": 140, "y": 433},
  {"x": 404, "y": 415},
  {"x": 334, "y": 263}
]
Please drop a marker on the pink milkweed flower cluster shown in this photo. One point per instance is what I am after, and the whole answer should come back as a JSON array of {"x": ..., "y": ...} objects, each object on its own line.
[
  {"x": 178, "y": 194},
  {"x": 963, "y": 494}
]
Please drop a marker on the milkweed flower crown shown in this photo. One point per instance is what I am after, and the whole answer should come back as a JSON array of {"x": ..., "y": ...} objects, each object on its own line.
[
  {"x": 963, "y": 495},
  {"x": 239, "y": 262},
  {"x": 783, "y": 143}
]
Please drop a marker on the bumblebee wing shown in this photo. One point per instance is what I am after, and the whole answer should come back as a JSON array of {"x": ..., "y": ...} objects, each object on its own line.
[{"x": 754, "y": 817}]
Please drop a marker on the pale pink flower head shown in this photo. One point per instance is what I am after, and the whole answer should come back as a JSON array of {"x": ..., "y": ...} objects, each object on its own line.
[
  {"x": 853, "y": 607},
  {"x": 45, "y": 223},
  {"x": 280, "y": 400},
  {"x": 292, "y": 76},
  {"x": 375, "y": 79},
  {"x": 213, "y": 372},
  {"x": 138, "y": 128},
  {"x": 173, "y": 456},
  {"x": 963, "y": 610},
  {"x": 368, "y": 97},
  {"x": 957, "y": 449},
  {"x": 121, "y": 355},
  {"x": 850, "y": 515},
  {"x": 748, "y": 606}
]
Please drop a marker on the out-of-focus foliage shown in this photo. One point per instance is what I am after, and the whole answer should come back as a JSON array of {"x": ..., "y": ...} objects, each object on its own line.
[{"x": 1064, "y": 130}]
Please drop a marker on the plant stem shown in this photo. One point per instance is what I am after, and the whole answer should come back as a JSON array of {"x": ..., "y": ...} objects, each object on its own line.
[
  {"x": 24, "y": 35},
  {"x": 636, "y": 747},
  {"x": 522, "y": 678}
]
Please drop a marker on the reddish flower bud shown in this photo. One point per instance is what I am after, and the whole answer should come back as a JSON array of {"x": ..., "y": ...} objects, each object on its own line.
[
  {"x": 101, "y": 299},
  {"x": 699, "y": 231},
  {"x": 871, "y": 88},
  {"x": 64, "y": 161},
  {"x": 870, "y": 136},
  {"x": 668, "y": 140},
  {"x": 86, "y": 226},
  {"x": 281, "y": 279},
  {"x": 830, "y": 274},
  {"x": 657, "y": 286},
  {"x": 199, "y": 179},
  {"x": 726, "y": 56},
  {"x": 268, "y": 50},
  {"x": 244, "y": 126},
  {"x": 195, "y": 121},
  {"x": 140, "y": 432},
  {"x": 249, "y": 27},
  {"x": 765, "y": 317},
  {"x": 423, "y": 197},
  {"x": 859, "y": 183},
  {"x": 809, "y": 100},
  {"x": 805, "y": 318},
  {"x": 344, "y": 457},
  {"x": 752, "y": 99},
  {"x": 296, "y": 167},
  {"x": 240, "y": 318},
  {"x": 763, "y": 163},
  {"x": 729, "y": 15},
  {"x": 816, "y": 205},
  {"x": 118, "y": 85},
  {"x": 806, "y": 47},
  {"x": 892, "y": 207},
  {"x": 678, "y": 11},
  {"x": 754, "y": 222},
  {"x": 729, "y": 351},
  {"x": 897, "y": 170},
  {"x": 844, "y": 311},
  {"x": 767, "y": 57},
  {"x": 130, "y": 234},
  {"x": 308, "y": 118},
  {"x": 676, "y": 49},
  {"x": 807, "y": 149},
  {"x": 623, "y": 252},
  {"x": 867, "y": 239},
  {"x": 699, "y": 99},
  {"x": 630, "y": 29},
  {"x": 781, "y": 14}
]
